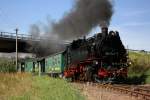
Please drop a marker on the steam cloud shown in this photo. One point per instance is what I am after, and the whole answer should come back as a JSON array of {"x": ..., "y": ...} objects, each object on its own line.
[{"x": 78, "y": 22}]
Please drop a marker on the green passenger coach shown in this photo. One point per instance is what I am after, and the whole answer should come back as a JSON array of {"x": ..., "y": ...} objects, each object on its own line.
[
  {"x": 28, "y": 65},
  {"x": 54, "y": 64},
  {"x": 32, "y": 65}
]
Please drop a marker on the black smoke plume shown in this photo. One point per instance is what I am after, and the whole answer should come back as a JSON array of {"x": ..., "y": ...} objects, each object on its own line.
[
  {"x": 79, "y": 21},
  {"x": 85, "y": 15}
]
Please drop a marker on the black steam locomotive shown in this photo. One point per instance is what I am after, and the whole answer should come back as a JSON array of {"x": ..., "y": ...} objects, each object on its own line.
[{"x": 101, "y": 58}]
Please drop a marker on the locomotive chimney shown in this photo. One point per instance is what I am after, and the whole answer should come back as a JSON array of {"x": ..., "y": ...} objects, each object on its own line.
[{"x": 105, "y": 31}]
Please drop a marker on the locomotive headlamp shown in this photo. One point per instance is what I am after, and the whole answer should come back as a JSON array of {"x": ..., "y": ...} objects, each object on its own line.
[
  {"x": 95, "y": 62},
  {"x": 130, "y": 63}
]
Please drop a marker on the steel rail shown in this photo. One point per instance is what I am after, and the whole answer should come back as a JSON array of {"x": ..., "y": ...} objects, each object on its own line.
[{"x": 138, "y": 92}]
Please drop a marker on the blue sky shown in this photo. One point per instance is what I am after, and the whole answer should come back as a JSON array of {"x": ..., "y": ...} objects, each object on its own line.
[{"x": 131, "y": 17}]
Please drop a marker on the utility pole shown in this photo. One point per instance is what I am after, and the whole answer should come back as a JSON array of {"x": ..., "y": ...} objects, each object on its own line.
[{"x": 16, "y": 48}]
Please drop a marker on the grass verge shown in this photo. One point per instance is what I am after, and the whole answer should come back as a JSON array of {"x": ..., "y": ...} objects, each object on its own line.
[{"x": 28, "y": 87}]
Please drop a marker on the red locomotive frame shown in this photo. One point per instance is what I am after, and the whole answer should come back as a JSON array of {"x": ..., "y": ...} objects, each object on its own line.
[{"x": 79, "y": 68}]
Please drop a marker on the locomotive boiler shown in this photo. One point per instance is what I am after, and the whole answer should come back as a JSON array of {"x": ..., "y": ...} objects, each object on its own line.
[{"x": 101, "y": 58}]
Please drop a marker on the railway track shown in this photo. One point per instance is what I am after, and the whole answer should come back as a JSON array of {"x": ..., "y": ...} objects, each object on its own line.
[
  {"x": 137, "y": 91},
  {"x": 140, "y": 92}
]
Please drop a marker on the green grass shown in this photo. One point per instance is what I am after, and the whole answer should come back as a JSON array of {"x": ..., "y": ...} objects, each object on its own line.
[
  {"x": 148, "y": 76},
  {"x": 7, "y": 65},
  {"x": 28, "y": 87},
  {"x": 139, "y": 70}
]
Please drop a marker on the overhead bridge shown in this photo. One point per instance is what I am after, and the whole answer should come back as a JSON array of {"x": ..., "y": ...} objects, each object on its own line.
[{"x": 8, "y": 42}]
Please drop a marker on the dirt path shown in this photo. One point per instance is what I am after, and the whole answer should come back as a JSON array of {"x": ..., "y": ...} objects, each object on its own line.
[{"x": 96, "y": 93}]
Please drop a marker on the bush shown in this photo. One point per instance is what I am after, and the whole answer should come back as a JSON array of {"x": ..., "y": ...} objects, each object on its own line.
[
  {"x": 140, "y": 64},
  {"x": 7, "y": 65}
]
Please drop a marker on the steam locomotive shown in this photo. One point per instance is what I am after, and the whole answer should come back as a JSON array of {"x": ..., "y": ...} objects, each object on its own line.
[{"x": 101, "y": 58}]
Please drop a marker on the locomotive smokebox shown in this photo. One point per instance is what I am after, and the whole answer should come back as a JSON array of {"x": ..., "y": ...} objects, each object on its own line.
[{"x": 105, "y": 31}]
